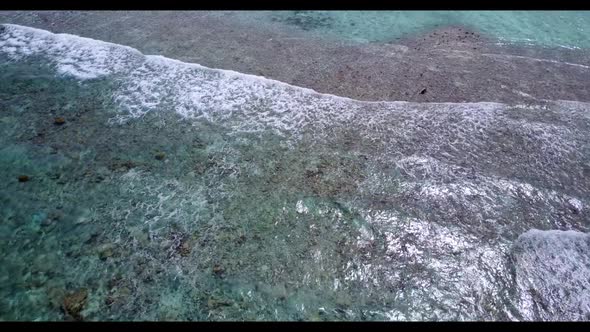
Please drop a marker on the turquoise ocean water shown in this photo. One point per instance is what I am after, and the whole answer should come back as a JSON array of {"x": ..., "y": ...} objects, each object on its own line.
[
  {"x": 138, "y": 187},
  {"x": 570, "y": 29}
]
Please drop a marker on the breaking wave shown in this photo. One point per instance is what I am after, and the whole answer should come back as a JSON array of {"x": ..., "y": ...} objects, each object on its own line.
[{"x": 401, "y": 211}]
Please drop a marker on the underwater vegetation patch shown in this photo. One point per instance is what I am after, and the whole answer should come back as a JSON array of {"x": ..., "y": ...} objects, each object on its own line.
[{"x": 305, "y": 20}]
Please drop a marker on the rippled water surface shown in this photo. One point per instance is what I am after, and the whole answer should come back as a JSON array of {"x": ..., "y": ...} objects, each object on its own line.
[
  {"x": 545, "y": 28},
  {"x": 172, "y": 191}
]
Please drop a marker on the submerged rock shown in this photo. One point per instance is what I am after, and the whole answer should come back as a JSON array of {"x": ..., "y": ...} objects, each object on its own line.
[
  {"x": 218, "y": 270},
  {"x": 185, "y": 248},
  {"x": 74, "y": 303},
  {"x": 122, "y": 165},
  {"x": 105, "y": 251},
  {"x": 54, "y": 215},
  {"x": 214, "y": 303},
  {"x": 23, "y": 178},
  {"x": 59, "y": 121}
]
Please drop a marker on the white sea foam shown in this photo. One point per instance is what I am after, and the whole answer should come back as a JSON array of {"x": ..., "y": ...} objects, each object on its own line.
[
  {"x": 83, "y": 58},
  {"x": 149, "y": 83},
  {"x": 249, "y": 103},
  {"x": 552, "y": 274},
  {"x": 243, "y": 102}
]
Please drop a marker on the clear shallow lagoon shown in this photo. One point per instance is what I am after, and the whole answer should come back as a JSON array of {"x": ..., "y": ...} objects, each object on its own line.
[
  {"x": 568, "y": 29},
  {"x": 174, "y": 191}
]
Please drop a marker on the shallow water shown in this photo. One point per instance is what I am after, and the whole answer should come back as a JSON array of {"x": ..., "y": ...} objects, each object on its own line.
[
  {"x": 542, "y": 28},
  {"x": 179, "y": 192}
]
